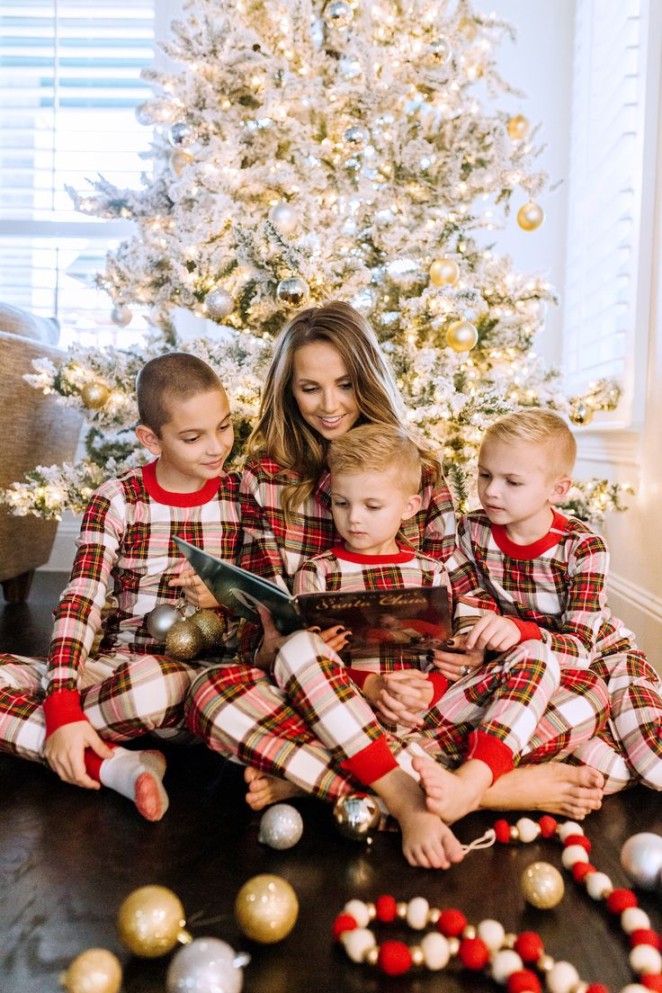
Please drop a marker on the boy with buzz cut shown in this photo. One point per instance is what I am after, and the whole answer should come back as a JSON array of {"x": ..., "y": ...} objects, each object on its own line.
[
  {"x": 107, "y": 679},
  {"x": 547, "y": 572}
]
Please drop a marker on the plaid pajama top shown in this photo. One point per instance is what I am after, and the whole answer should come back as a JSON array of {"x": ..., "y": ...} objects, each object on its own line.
[
  {"x": 126, "y": 557},
  {"x": 554, "y": 588}
]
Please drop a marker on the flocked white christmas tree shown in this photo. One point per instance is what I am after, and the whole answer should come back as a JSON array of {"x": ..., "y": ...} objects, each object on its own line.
[{"x": 305, "y": 151}]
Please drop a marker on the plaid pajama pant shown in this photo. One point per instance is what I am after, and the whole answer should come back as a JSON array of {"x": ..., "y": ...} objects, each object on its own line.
[
  {"x": 311, "y": 718},
  {"x": 123, "y": 696}
]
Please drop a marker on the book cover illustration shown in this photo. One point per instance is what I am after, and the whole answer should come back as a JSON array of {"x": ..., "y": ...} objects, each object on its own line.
[{"x": 412, "y": 619}]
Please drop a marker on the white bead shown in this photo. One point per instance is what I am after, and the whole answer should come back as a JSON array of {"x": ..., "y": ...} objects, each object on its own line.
[
  {"x": 562, "y": 978},
  {"x": 634, "y": 919},
  {"x": 503, "y": 964},
  {"x": 635, "y": 988},
  {"x": 417, "y": 913},
  {"x": 436, "y": 952},
  {"x": 645, "y": 958},
  {"x": 359, "y": 911},
  {"x": 572, "y": 854},
  {"x": 565, "y": 830},
  {"x": 357, "y": 942},
  {"x": 492, "y": 933},
  {"x": 598, "y": 885},
  {"x": 528, "y": 829}
]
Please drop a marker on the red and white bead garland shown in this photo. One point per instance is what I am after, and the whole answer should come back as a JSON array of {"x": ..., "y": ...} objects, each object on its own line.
[{"x": 512, "y": 960}]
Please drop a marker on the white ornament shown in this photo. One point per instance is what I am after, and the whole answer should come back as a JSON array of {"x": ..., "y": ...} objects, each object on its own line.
[
  {"x": 635, "y": 919},
  {"x": 572, "y": 854},
  {"x": 281, "y": 826},
  {"x": 207, "y": 965},
  {"x": 562, "y": 978},
  {"x": 283, "y": 217},
  {"x": 359, "y": 911},
  {"x": 436, "y": 953},
  {"x": 641, "y": 858},
  {"x": 417, "y": 913},
  {"x": 159, "y": 621},
  {"x": 528, "y": 829},
  {"x": 598, "y": 885},
  {"x": 219, "y": 304},
  {"x": 357, "y": 942},
  {"x": 121, "y": 315},
  {"x": 645, "y": 959},
  {"x": 492, "y": 933},
  {"x": 503, "y": 964}
]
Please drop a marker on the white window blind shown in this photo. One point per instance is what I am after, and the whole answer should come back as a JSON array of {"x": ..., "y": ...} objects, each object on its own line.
[
  {"x": 614, "y": 101},
  {"x": 69, "y": 85}
]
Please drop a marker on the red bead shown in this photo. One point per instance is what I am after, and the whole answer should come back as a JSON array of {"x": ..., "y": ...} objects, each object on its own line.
[
  {"x": 578, "y": 839},
  {"x": 581, "y": 870},
  {"x": 451, "y": 923},
  {"x": 502, "y": 831},
  {"x": 620, "y": 900},
  {"x": 596, "y": 988},
  {"x": 394, "y": 958},
  {"x": 529, "y": 946},
  {"x": 523, "y": 981},
  {"x": 645, "y": 936},
  {"x": 342, "y": 923},
  {"x": 652, "y": 982},
  {"x": 548, "y": 826},
  {"x": 473, "y": 954},
  {"x": 386, "y": 908}
]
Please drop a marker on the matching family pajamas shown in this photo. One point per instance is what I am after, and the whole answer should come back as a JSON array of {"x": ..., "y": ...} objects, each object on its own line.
[
  {"x": 104, "y": 666},
  {"x": 554, "y": 589}
]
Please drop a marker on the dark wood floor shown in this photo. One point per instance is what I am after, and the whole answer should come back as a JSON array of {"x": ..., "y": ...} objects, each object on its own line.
[{"x": 68, "y": 858}]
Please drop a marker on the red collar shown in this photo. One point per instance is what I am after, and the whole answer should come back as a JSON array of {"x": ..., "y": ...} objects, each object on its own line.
[
  {"x": 532, "y": 551},
  {"x": 159, "y": 495},
  {"x": 398, "y": 558}
]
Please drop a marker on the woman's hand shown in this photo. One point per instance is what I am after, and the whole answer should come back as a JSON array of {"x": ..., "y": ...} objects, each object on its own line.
[
  {"x": 193, "y": 589},
  {"x": 336, "y": 637},
  {"x": 459, "y": 660},
  {"x": 400, "y": 697},
  {"x": 65, "y": 752}
]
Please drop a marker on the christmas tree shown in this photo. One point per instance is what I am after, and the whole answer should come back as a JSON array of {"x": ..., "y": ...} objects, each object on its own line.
[{"x": 304, "y": 151}]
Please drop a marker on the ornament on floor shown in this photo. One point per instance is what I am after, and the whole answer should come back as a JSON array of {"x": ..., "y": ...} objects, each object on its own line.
[
  {"x": 219, "y": 304},
  {"x": 641, "y": 858},
  {"x": 281, "y": 826},
  {"x": 444, "y": 272},
  {"x": 357, "y": 816},
  {"x": 95, "y": 971},
  {"x": 293, "y": 291},
  {"x": 461, "y": 336},
  {"x": 184, "y": 640},
  {"x": 542, "y": 885},
  {"x": 266, "y": 908},
  {"x": 212, "y": 625},
  {"x": 94, "y": 395},
  {"x": 159, "y": 621},
  {"x": 151, "y": 921},
  {"x": 206, "y": 965},
  {"x": 518, "y": 127},
  {"x": 530, "y": 216}
]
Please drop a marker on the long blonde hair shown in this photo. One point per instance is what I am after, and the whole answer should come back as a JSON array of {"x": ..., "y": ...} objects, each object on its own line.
[{"x": 282, "y": 433}]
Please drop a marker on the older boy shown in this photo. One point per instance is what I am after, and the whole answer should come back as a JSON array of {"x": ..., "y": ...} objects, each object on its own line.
[{"x": 106, "y": 679}]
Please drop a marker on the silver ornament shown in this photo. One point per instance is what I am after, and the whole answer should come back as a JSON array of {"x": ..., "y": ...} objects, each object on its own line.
[
  {"x": 281, "y": 826},
  {"x": 180, "y": 134},
  {"x": 283, "y": 217},
  {"x": 357, "y": 816},
  {"x": 121, "y": 315},
  {"x": 338, "y": 14},
  {"x": 293, "y": 291},
  {"x": 219, "y": 304},
  {"x": 440, "y": 51},
  {"x": 159, "y": 621},
  {"x": 356, "y": 137},
  {"x": 641, "y": 858},
  {"x": 206, "y": 965}
]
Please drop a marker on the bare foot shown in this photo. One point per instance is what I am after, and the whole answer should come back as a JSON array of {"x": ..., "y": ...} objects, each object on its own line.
[
  {"x": 264, "y": 789},
  {"x": 451, "y": 795},
  {"x": 570, "y": 790},
  {"x": 150, "y": 797}
]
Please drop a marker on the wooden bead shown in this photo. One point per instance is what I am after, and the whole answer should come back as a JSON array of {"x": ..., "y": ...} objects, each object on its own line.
[
  {"x": 417, "y": 957},
  {"x": 372, "y": 955},
  {"x": 469, "y": 932},
  {"x": 433, "y": 915}
]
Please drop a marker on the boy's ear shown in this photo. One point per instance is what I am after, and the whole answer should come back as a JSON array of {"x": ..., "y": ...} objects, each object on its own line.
[
  {"x": 412, "y": 506},
  {"x": 148, "y": 439},
  {"x": 560, "y": 488}
]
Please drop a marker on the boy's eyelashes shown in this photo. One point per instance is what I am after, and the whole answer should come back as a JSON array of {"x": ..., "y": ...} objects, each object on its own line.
[{"x": 221, "y": 428}]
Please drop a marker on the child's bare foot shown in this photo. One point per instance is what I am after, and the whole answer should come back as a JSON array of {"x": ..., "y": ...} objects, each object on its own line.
[
  {"x": 150, "y": 797},
  {"x": 427, "y": 842},
  {"x": 570, "y": 790},
  {"x": 264, "y": 789},
  {"x": 451, "y": 795}
]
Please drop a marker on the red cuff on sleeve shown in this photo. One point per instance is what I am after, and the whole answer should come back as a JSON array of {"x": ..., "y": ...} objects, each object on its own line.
[
  {"x": 359, "y": 676},
  {"x": 62, "y": 707},
  {"x": 439, "y": 686},
  {"x": 371, "y": 763},
  {"x": 490, "y": 750},
  {"x": 528, "y": 630}
]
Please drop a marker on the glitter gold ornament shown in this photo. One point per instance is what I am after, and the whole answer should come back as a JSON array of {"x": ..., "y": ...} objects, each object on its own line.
[
  {"x": 461, "y": 336},
  {"x": 293, "y": 291},
  {"x": 94, "y": 971},
  {"x": 219, "y": 303},
  {"x": 444, "y": 272},
  {"x": 207, "y": 965},
  {"x": 151, "y": 921},
  {"x": 542, "y": 885},
  {"x": 94, "y": 395},
  {"x": 159, "y": 621},
  {"x": 518, "y": 127},
  {"x": 212, "y": 626},
  {"x": 357, "y": 816},
  {"x": 530, "y": 216},
  {"x": 184, "y": 640},
  {"x": 266, "y": 908}
]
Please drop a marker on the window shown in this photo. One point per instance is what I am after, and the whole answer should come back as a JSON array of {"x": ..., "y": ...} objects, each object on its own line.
[{"x": 69, "y": 85}]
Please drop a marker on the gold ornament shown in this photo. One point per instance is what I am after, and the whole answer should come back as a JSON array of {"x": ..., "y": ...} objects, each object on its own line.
[
  {"x": 94, "y": 971},
  {"x": 212, "y": 626},
  {"x": 468, "y": 27},
  {"x": 184, "y": 640},
  {"x": 518, "y": 127},
  {"x": 293, "y": 291},
  {"x": 542, "y": 885},
  {"x": 151, "y": 921},
  {"x": 461, "y": 336},
  {"x": 266, "y": 908},
  {"x": 179, "y": 160},
  {"x": 581, "y": 414},
  {"x": 94, "y": 395},
  {"x": 530, "y": 216},
  {"x": 444, "y": 272},
  {"x": 357, "y": 816}
]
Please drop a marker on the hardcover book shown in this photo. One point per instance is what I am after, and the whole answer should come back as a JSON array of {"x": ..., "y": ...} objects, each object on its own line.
[{"x": 412, "y": 619}]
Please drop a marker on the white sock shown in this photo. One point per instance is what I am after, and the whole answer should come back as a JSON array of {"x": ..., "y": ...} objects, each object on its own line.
[{"x": 137, "y": 776}]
